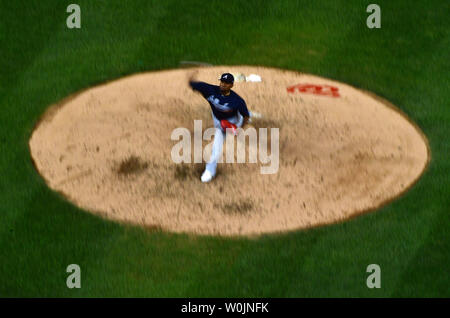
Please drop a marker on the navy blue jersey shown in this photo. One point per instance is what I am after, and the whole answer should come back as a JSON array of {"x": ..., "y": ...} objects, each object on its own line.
[{"x": 223, "y": 107}]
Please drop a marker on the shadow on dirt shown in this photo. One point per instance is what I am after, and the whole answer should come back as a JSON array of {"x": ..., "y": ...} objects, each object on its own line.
[{"x": 132, "y": 165}]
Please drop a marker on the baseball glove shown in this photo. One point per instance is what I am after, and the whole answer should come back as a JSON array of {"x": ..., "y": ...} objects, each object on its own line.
[{"x": 226, "y": 124}]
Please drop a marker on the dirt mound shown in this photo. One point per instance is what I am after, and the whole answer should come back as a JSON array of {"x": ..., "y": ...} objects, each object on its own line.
[{"x": 341, "y": 152}]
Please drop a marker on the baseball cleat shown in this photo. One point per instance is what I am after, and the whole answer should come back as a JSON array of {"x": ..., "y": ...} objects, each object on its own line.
[{"x": 206, "y": 176}]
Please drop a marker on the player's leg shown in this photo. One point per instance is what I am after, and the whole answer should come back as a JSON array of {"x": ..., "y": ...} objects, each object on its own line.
[
  {"x": 238, "y": 120},
  {"x": 216, "y": 153},
  {"x": 255, "y": 115}
]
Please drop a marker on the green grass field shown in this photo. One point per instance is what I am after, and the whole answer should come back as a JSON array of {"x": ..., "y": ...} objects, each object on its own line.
[{"x": 42, "y": 61}]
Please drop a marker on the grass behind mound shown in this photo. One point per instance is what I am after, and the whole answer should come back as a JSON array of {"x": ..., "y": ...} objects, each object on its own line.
[{"x": 41, "y": 62}]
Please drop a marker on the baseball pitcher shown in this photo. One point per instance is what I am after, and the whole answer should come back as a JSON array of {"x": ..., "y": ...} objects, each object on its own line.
[{"x": 228, "y": 111}]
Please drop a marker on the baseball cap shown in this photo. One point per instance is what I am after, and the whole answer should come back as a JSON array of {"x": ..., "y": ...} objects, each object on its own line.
[{"x": 227, "y": 78}]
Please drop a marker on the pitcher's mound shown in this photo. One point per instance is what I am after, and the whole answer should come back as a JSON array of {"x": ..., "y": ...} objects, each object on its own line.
[{"x": 341, "y": 151}]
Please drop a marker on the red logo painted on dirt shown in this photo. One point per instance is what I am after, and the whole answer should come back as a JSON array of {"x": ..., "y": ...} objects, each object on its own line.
[{"x": 324, "y": 90}]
